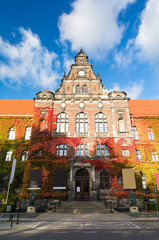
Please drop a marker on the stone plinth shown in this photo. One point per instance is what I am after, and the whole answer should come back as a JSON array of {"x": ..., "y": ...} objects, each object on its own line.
[
  {"x": 133, "y": 209},
  {"x": 31, "y": 209}
]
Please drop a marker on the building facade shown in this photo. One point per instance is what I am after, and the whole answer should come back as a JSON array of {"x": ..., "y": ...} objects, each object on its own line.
[{"x": 74, "y": 143}]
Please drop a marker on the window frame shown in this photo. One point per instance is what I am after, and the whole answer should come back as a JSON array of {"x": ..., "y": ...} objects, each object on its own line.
[
  {"x": 28, "y": 133},
  {"x": 102, "y": 148},
  {"x": 77, "y": 89},
  {"x": 138, "y": 155},
  {"x": 84, "y": 89},
  {"x": 62, "y": 123},
  {"x": 125, "y": 152},
  {"x": 8, "y": 157},
  {"x": 144, "y": 182},
  {"x": 104, "y": 180},
  {"x": 150, "y": 134},
  {"x": 81, "y": 123},
  {"x": 24, "y": 156},
  {"x": 154, "y": 156},
  {"x": 61, "y": 150},
  {"x": 101, "y": 125},
  {"x": 82, "y": 148},
  {"x": 11, "y": 134},
  {"x": 135, "y": 133}
]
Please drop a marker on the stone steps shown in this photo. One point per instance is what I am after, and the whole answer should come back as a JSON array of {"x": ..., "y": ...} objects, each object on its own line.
[{"x": 82, "y": 207}]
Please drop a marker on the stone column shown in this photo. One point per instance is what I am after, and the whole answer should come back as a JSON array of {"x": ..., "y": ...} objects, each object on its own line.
[
  {"x": 94, "y": 190},
  {"x": 71, "y": 190},
  {"x": 93, "y": 178}
]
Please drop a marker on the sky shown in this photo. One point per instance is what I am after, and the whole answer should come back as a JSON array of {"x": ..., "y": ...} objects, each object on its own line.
[{"x": 39, "y": 39}]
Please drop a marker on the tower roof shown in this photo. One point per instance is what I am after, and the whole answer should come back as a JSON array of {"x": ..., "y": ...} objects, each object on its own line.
[{"x": 81, "y": 55}]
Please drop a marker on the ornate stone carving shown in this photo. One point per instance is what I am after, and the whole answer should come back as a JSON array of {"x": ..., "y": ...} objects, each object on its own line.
[
  {"x": 100, "y": 105},
  {"x": 81, "y": 105},
  {"x": 120, "y": 112},
  {"x": 117, "y": 95},
  {"x": 63, "y": 105},
  {"x": 45, "y": 95}
]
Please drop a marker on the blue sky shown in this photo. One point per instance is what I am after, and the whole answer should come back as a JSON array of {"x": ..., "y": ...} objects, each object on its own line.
[{"x": 39, "y": 39}]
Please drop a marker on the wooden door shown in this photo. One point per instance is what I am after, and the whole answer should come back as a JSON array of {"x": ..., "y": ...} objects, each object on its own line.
[{"x": 82, "y": 185}]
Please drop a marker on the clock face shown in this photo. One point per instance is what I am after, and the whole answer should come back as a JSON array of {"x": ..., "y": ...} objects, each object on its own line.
[{"x": 81, "y": 73}]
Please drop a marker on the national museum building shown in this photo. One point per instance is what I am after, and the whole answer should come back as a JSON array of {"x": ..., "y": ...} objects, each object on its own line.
[{"x": 74, "y": 143}]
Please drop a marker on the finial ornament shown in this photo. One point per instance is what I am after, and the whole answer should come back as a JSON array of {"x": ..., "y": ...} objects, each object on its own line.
[
  {"x": 81, "y": 50},
  {"x": 64, "y": 76},
  {"x": 98, "y": 76}
]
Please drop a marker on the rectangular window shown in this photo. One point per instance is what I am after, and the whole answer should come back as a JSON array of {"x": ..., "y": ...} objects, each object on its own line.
[
  {"x": 35, "y": 179},
  {"x": 125, "y": 152},
  {"x": 101, "y": 127},
  {"x": 9, "y": 156},
  {"x": 59, "y": 179},
  {"x": 77, "y": 152},
  {"x": 96, "y": 127},
  {"x": 81, "y": 127},
  {"x": 62, "y": 127}
]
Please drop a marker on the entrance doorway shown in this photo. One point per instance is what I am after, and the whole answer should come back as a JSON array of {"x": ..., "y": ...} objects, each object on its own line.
[{"x": 82, "y": 185}]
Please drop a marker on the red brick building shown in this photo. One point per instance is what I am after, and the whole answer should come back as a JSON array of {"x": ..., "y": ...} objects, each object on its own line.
[{"x": 74, "y": 143}]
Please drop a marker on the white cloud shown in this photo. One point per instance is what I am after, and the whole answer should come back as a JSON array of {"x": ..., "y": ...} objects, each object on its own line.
[
  {"x": 67, "y": 61},
  {"x": 125, "y": 57},
  {"x": 28, "y": 62},
  {"x": 133, "y": 90},
  {"x": 93, "y": 25},
  {"x": 147, "y": 40}
]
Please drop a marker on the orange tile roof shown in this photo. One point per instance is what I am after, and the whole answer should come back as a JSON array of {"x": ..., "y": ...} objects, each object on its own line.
[
  {"x": 144, "y": 107},
  {"x": 16, "y": 107},
  {"x": 26, "y": 107}
]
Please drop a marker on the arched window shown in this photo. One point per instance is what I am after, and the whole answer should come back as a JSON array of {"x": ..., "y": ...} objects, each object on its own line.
[
  {"x": 78, "y": 89},
  {"x": 104, "y": 180},
  {"x": 11, "y": 134},
  {"x": 138, "y": 155},
  {"x": 102, "y": 150},
  {"x": 62, "y": 123},
  {"x": 81, "y": 123},
  {"x": 27, "y": 133},
  {"x": 61, "y": 149},
  {"x": 101, "y": 123},
  {"x": 84, "y": 89},
  {"x": 121, "y": 125},
  {"x": 8, "y": 156},
  {"x": 135, "y": 133},
  {"x": 150, "y": 133},
  {"x": 154, "y": 156},
  {"x": 24, "y": 156},
  {"x": 4, "y": 179},
  {"x": 82, "y": 150}
]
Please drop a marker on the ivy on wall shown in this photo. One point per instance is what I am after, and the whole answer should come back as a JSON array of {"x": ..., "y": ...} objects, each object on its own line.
[{"x": 43, "y": 140}]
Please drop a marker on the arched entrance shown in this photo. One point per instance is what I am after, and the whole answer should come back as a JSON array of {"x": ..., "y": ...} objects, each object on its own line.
[{"x": 82, "y": 185}]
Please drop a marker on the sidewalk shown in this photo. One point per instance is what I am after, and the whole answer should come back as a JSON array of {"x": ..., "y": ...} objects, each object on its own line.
[{"x": 57, "y": 217}]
